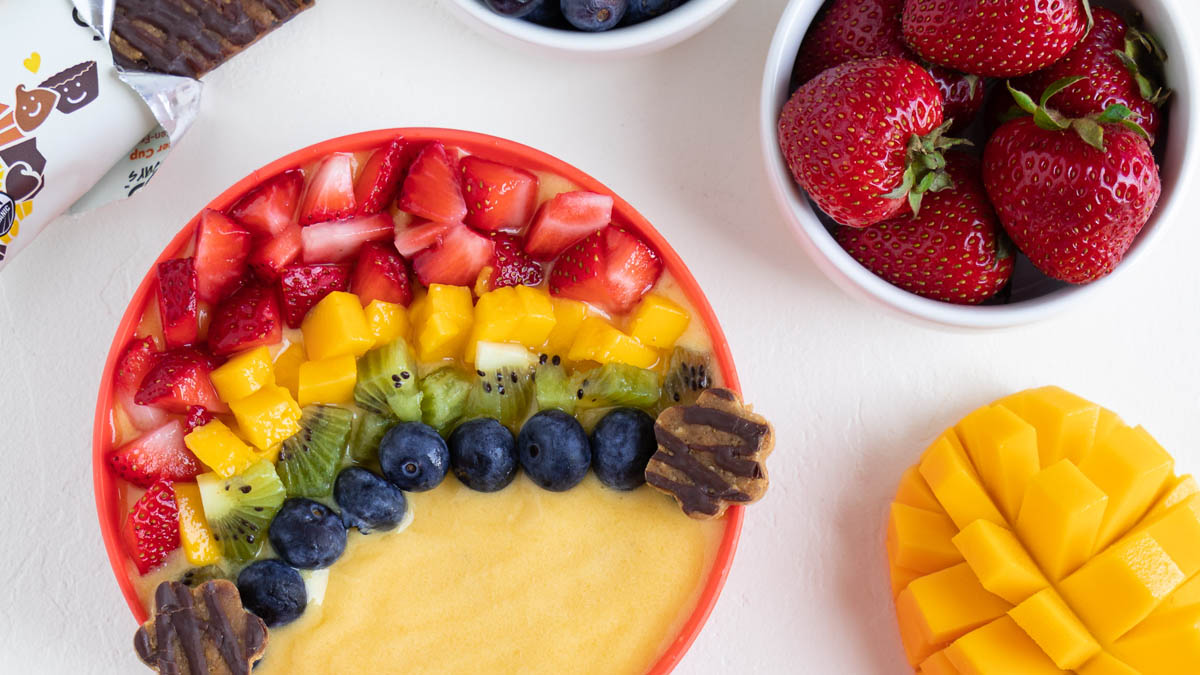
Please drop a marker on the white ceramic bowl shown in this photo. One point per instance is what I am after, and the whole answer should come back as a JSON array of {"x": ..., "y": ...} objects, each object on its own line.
[
  {"x": 1034, "y": 297},
  {"x": 654, "y": 35}
]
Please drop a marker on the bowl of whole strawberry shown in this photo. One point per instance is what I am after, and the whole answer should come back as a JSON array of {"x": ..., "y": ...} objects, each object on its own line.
[{"x": 973, "y": 166}]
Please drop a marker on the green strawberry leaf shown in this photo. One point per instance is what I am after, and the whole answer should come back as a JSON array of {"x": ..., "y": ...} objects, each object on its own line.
[
  {"x": 1059, "y": 85},
  {"x": 1114, "y": 113},
  {"x": 1090, "y": 131},
  {"x": 1024, "y": 101},
  {"x": 1087, "y": 11}
]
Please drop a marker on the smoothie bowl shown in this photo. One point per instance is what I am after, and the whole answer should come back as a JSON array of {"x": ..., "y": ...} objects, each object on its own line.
[{"x": 427, "y": 393}]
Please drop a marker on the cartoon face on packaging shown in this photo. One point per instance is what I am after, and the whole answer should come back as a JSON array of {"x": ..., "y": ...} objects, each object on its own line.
[
  {"x": 33, "y": 106},
  {"x": 76, "y": 86}
]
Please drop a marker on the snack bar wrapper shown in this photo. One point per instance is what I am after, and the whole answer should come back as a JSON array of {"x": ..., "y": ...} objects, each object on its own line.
[{"x": 73, "y": 127}]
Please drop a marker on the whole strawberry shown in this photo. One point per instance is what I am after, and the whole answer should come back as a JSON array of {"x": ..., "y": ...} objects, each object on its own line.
[
  {"x": 864, "y": 139},
  {"x": 953, "y": 251},
  {"x": 1112, "y": 58},
  {"x": 1072, "y": 193},
  {"x": 994, "y": 38}
]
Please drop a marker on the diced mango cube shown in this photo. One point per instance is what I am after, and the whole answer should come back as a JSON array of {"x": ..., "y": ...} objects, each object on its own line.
[
  {"x": 914, "y": 491},
  {"x": 329, "y": 381},
  {"x": 999, "y": 648},
  {"x": 1106, "y": 664},
  {"x": 287, "y": 368},
  {"x": 1177, "y": 531},
  {"x": 537, "y": 317},
  {"x": 938, "y": 664},
  {"x": 920, "y": 540},
  {"x": 999, "y": 561},
  {"x": 658, "y": 322},
  {"x": 199, "y": 547},
  {"x": 1060, "y": 518},
  {"x": 1117, "y": 589},
  {"x": 268, "y": 416},
  {"x": 1055, "y": 628},
  {"x": 568, "y": 317},
  {"x": 1166, "y": 644},
  {"x": 441, "y": 321},
  {"x": 1005, "y": 452},
  {"x": 1187, "y": 595},
  {"x": 243, "y": 374},
  {"x": 901, "y": 578},
  {"x": 336, "y": 326},
  {"x": 941, "y": 607},
  {"x": 953, "y": 480},
  {"x": 598, "y": 341},
  {"x": 1181, "y": 488},
  {"x": 220, "y": 449},
  {"x": 517, "y": 314},
  {"x": 1131, "y": 468},
  {"x": 1106, "y": 423},
  {"x": 387, "y": 321},
  {"x": 1065, "y": 423}
]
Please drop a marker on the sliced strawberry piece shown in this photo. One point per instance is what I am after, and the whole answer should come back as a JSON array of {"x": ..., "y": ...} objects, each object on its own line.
[
  {"x": 151, "y": 530},
  {"x": 381, "y": 176},
  {"x": 248, "y": 318},
  {"x": 178, "y": 381},
  {"x": 381, "y": 274},
  {"x": 416, "y": 238},
  {"x": 564, "y": 221},
  {"x": 431, "y": 190},
  {"x": 177, "y": 301},
  {"x": 197, "y": 416},
  {"x": 269, "y": 208},
  {"x": 612, "y": 269},
  {"x": 140, "y": 356},
  {"x": 156, "y": 455},
  {"x": 498, "y": 196},
  {"x": 272, "y": 255},
  {"x": 456, "y": 260},
  {"x": 335, "y": 242},
  {"x": 330, "y": 194},
  {"x": 222, "y": 247},
  {"x": 143, "y": 417},
  {"x": 303, "y": 286},
  {"x": 511, "y": 266}
]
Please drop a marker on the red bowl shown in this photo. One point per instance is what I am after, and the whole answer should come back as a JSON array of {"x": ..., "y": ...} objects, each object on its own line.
[{"x": 108, "y": 505}]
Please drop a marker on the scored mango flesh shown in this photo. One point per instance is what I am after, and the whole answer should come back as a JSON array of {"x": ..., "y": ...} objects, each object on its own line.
[{"x": 1042, "y": 534}]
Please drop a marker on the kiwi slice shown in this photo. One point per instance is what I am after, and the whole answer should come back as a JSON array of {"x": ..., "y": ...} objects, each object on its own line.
[
  {"x": 240, "y": 508},
  {"x": 388, "y": 383},
  {"x": 688, "y": 374},
  {"x": 615, "y": 385},
  {"x": 368, "y": 432},
  {"x": 444, "y": 397},
  {"x": 503, "y": 384},
  {"x": 309, "y": 459},
  {"x": 553, "y": 386},
  {"x": 196, "y": 576}
]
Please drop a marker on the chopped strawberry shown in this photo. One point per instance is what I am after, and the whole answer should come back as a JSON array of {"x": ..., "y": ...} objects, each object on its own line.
[
  {"x": 152, "y": 528},
  {"x": 511, "y": 266},
  {"x": 566, "y": 220},
  {"x": 178, "y": 381},
  {"x": 612, "y": 269},
  {"x": 177, "y": 301},
  {"x": 416, "y": 238},
  {"x": 197, "y": 416},
  {"x": 335, "y": 242},
  {"x": 249, "y": 318},
  {"x": 456, "y": 260},
  {"x": 303, "y": 286},
  {"x": 269, "y": 208},
  {"x": 271, "y": 256},
  {"x": 156, "y": 455},
  {"x": 330, "y": 193},
  {"x": 381, "y": 274},
  {"x": 381, "y": 176},
  {"x": 140, "y": 356},
  {"x": 498, "y": 196},
  {"x": 222, "y": 247},
  {"x": 431, "y": 190}
]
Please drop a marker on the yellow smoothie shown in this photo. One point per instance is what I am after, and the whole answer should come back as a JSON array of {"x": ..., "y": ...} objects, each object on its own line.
[{"x": 520, "y": 581}]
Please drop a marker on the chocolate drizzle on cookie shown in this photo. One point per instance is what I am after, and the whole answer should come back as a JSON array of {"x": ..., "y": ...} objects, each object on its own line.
[
  {"x": 200, "y": 631},
  {"x": 711, "y": 454}
]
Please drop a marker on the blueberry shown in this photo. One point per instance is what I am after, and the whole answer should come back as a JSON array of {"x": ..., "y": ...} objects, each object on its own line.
[
  {"x": 273, "y": 591},
  {"x": 483, "y": 454},
  {"x": 622, "y": 444},
  {"x": 414, "y": 457},
  {"x": 368, "y": 502},
  {"x": 308, "y": 535},
  {"x": 513, "y": 8},
  {"x": 594, "y": 15},
  {"x": 549, "y": 13},
  {"x": 554, "y": 450},
  {"x": 641, "y": 10}
]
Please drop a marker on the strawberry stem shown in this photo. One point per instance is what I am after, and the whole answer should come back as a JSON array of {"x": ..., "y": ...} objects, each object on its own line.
[
  {"x": 1087, "y": 11},
  {"x": 925, "y": 166},
  {"x": 1143, "y": 57},
  {"x": 1089, "y": 128}
]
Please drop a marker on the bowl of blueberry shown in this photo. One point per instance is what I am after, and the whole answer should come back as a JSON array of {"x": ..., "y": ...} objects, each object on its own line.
[{"x": 592, "y": 28}]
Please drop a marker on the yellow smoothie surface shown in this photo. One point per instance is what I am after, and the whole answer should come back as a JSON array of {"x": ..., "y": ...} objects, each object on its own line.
[{"x": 520, "y": 581}]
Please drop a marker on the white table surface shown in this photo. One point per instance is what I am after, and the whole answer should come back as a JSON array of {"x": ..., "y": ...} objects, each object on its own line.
[{"x": 855, "y": 394}]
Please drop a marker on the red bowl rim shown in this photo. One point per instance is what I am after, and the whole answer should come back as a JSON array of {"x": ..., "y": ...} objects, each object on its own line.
[{"x": 488, "y": 147}]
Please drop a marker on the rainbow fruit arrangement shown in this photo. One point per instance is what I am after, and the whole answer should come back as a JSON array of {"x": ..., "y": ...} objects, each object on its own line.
[
  {"x": 1041, "y": 534},
  {"x": 1067, "y": 172},
  {"x": 291, "y": 364}
]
